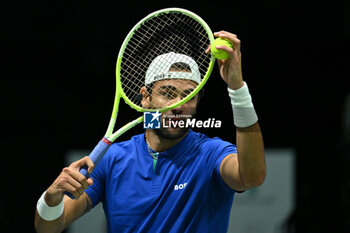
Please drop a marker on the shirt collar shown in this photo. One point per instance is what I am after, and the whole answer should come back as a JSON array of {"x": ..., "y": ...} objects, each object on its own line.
[{"x": 176, "y": 149}]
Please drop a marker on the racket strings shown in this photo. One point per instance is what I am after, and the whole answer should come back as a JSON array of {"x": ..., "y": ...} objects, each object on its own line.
[{"x": 168, "y": 32}]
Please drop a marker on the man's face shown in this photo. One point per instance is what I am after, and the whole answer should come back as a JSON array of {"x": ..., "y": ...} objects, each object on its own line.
[{"x": 165, "y": 93}]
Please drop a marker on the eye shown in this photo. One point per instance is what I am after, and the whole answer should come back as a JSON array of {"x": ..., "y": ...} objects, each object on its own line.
[
  {"x": 168, "y": 94},
  {"x": 185, "y": 93}
]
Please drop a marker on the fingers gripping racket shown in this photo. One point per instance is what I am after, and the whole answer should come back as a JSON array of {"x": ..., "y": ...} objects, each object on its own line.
[{"x": 177, "y": 35}]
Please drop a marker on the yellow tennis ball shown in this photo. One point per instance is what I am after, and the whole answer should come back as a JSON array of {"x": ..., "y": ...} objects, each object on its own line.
[{"x": 218, "y": 53}]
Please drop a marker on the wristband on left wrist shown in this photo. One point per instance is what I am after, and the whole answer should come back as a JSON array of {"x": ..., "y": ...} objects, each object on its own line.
[{"x": 49, "y": 213}]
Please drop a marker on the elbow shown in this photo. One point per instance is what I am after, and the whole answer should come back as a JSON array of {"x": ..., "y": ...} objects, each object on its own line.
[
  {"x": 261, "y": 176},
  {"x": 257, "y": 179},
  {"x": 260, "y": 179}
]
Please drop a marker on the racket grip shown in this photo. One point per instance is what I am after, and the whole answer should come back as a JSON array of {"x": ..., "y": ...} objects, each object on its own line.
[{"x": 96, "y": 155}]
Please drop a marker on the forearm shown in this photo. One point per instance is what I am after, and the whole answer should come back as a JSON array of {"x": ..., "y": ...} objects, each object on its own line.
[
  {"x": 49, "y": 214},
  {"x": 55, "y": 212},
  {"x": 250, "y": 149},
  {"x": 43, "y": 226},
  {"x": 249, "y": 140},
  {"x": 246, "y": 170}
]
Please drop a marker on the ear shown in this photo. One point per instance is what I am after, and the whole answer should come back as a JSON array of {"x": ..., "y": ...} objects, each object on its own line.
[{"x": 146, "y": 98}]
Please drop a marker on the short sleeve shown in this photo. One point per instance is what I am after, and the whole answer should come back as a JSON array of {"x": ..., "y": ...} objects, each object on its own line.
[
  {"x": 223, "y": 150},
  {"x": 217, "y": 150},
  {"x": 97, "y": 189}
]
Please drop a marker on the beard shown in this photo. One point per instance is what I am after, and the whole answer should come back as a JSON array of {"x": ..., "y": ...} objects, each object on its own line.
[{"x": 173, "y": 132}]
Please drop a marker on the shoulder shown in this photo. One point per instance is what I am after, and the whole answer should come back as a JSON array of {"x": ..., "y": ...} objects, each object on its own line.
[
  {"x": 127, "y": 143},
  {"x": 118, "y": 149},
  {"x": 208, "y": 143}
]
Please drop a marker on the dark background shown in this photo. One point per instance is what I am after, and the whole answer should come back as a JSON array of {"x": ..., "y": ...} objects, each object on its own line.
[{"x": 58, "y": 64}]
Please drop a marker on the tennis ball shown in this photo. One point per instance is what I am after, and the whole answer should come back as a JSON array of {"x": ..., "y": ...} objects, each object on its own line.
[{"x": 220, "y": 54}]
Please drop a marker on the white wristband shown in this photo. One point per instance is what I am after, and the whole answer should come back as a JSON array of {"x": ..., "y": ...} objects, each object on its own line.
[
  {"x": 49, "y": 213},
  {"x": 244, "y": 114}
]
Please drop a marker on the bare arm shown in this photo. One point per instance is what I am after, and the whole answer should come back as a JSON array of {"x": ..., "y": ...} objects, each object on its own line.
[
  {"x": 246, "y": 169},
  {"x": 73, "y": 209},
  {"x": 72, "y": 181}
]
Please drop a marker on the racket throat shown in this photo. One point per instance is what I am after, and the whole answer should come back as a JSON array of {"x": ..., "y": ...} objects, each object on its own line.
[{"x": 111, "y": 124}]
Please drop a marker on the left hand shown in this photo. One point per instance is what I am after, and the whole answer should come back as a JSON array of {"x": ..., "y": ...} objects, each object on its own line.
[{"x": 230, "y": 69}]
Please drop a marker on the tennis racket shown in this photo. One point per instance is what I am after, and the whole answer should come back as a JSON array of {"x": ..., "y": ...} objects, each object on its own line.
[{"x": 170, "y": 31}]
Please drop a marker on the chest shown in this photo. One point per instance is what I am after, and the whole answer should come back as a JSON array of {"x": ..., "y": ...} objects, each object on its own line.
[{"x": 137, "y": 187}]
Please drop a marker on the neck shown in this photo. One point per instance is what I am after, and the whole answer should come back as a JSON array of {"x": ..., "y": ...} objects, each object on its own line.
[{"x": 158, "y": 143}]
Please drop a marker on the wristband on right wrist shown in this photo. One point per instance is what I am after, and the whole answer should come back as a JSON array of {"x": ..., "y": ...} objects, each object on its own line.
[{"x": 244, "y": 114}]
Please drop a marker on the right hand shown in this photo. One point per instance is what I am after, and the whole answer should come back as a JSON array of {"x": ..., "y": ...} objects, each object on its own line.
[{"x": 70, "y": 180}]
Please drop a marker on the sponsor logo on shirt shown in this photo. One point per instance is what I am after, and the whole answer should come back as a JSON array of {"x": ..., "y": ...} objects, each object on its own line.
[{"x": 180, "y": 186}]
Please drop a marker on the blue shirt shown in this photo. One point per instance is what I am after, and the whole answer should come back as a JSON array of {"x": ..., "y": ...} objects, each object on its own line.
[{"x": 185, "y": 192}]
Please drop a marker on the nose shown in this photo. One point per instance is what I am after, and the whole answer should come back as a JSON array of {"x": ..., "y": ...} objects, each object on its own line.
[
  {"x": 175, "y": 100},
  {"x": 178, "y": 109}
]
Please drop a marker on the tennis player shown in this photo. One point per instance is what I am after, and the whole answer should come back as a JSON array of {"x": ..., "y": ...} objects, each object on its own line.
[{"x": 169, "y": 179}]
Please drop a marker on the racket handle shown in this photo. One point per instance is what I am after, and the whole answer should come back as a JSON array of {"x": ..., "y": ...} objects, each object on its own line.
[{"x": 96, "y": 155}]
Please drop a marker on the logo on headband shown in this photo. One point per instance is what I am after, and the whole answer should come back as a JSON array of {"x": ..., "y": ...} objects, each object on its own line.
[
  {"x": 160, "y": 77},
  {"x": 151, "y": 120}
]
